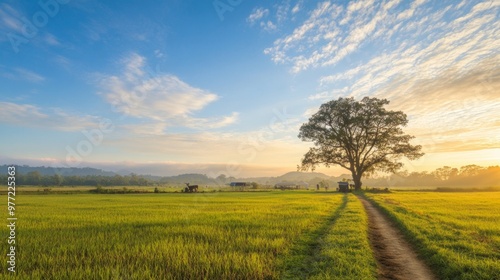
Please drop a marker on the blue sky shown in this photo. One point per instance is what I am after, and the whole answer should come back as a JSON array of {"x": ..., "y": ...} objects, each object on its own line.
[{"x": 168, "y": 87}]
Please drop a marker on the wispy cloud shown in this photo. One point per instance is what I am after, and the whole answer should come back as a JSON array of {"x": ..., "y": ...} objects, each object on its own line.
[
  {"x": 13, "y": 27},
  {"x": 333, "y": 32},
  {"x": 204, "y": 123},
  {"x": 408, "y": 13},
  {"x": 10, "y": 20},
  {"x": 452, "y": 107},
  {"x": 257, "y": 15},
  {"x": 331, "y": 94},
  {"x": 161, "y": 128},
  {"x": 22, "y": 74},
  {"x": 277, "y": 16},
  {"x": 260, "y": 15},
  {"x": 52, "y": 40},
  {"x": 471, "y": 43},
  {"x": 268, "y": 26},
  {"x": 147, "y": 128},
  {"x": 27, "y": 115},
  {"x": 437, "y": 64},
  {"x": 301, "y": 47},
  {"x": 159, "y": 54},
  {"x": 28, "y": 75},
  {"x": 63, "y": 61},
  {"x": 159, "y": 97},
  {"x": 297, "y": 7},
  {"x": 282, "y": 11}
]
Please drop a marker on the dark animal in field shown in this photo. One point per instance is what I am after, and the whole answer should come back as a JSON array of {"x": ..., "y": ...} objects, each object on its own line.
[{"x": 191, "y": 188}]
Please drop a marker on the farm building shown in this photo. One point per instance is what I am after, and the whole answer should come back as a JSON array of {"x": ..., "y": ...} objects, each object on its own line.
[{"x": 239, "y": 184}]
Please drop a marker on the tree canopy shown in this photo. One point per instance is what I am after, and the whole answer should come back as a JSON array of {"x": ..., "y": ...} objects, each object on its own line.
[{"x": 360, "y": 136}]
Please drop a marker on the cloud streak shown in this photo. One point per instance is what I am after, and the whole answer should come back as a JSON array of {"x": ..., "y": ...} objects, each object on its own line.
[
  {"x": 452, "y": 112},
  {"x": 22, "y": 74},
  {"x": 257, "y": 15},
  {"x": 332, "y": 32},
  {"x": 27, "y": 115},
  {"x": 9, "y": 20}
]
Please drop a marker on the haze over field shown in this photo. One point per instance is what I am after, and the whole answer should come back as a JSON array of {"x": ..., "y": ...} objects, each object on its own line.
[{"x": 212, "y": 87}]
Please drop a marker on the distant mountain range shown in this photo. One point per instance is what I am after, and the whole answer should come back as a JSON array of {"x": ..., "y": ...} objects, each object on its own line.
[
  {"x": 63, "y": 171},
  {"x": 290, "y": 177},
  {"x": 466, "y": 176}
]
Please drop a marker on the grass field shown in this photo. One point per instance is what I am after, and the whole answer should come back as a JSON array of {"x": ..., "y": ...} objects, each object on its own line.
[
  {"x": 458, "y": 234},
  {"x": 268, "y": 235},
  {"x": 246, "y": 235}
]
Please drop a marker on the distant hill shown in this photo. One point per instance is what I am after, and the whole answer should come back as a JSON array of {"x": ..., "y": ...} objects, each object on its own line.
[
  {"x": 311, "y": 178},
  {"x": 63, "y": 171},
  {"x": 195, "y": 179},
  {"x": 302, "y": 176},
  {"x": 465, "y": 177}
]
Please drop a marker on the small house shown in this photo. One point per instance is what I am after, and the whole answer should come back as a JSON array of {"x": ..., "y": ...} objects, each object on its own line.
[{"x": 239, "y": 184}]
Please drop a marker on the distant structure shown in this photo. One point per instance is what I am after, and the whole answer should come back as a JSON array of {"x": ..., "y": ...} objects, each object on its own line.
[
  {"x": 343, "y": 186},
  {"x": 291, "y": 185},
  {"x": 239, "y": 184}
]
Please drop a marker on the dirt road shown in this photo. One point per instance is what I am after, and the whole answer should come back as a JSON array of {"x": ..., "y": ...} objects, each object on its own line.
[{"x": 396, "y": 259}]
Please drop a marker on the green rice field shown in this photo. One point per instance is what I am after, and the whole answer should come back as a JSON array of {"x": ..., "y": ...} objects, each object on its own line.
[
  {"x": 246, "y": 235},
  {"x": 188, "y": 236},
  {"x": 458, "y": 234}
]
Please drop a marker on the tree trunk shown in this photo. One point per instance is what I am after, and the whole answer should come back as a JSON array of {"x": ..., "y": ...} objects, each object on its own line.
[{"x": 357, "y": 181}]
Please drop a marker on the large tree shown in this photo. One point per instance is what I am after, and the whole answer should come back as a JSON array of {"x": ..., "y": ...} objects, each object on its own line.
[{"x": 361, "y": 136}]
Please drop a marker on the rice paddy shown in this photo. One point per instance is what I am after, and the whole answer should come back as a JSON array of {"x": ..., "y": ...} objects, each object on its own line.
[
  {"x": 246, "y": 235},
  {"x": 458, "y": 234},
  {"x": 180, "y": 236}
]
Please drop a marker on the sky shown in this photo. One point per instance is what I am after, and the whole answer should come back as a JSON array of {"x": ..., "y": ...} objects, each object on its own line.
[{"x": 222, "y": 87}]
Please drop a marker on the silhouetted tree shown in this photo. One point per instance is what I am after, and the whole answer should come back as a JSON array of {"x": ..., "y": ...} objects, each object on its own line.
[
  {"x": 33, "y": 178},
  {"x": 470, "y": 170},
  {"x": 221, "y": 179},
  {"x": 57, "y": 180},
  {"x": 134, "y": 180},
  {"x": 445, "y": 173},
  {"x": 360, "y": 136}
]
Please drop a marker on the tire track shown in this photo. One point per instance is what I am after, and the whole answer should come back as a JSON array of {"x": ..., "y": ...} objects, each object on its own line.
[
  {"x": 395, "y": 257},
  {"x": 301, "y": 268}
]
